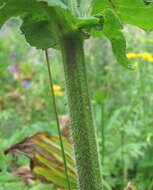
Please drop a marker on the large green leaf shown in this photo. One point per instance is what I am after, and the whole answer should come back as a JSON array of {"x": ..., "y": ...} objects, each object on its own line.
[
  {"x": 39, "y": 34},
  {"x": 44, "y": 22},
  {"x": 99, "y": 6},
  {"x": 131, "y": 12},
  {"x": 112, "y": 30},
  {"x": 136, "y": 13}
]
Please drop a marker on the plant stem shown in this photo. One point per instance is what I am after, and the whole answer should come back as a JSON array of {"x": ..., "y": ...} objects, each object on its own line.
[
  {"x": 57, "y": 120},
  {"x": 102, "y": 134},
  {"x": 122, "y": 146},
  {"x": 82, "y": 128}
]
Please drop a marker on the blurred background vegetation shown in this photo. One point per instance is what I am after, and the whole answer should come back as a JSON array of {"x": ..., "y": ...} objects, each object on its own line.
[{"x": 122, "y": 103}]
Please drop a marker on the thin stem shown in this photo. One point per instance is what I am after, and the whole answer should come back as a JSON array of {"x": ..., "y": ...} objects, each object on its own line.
[
  {"x": 102, "y": 134},
  {"x": 57, "y": 120},
  {"x": 122, "y": 146}
]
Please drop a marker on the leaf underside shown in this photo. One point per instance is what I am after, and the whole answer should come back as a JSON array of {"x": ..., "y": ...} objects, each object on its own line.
[{"x": 45, "y": 22}]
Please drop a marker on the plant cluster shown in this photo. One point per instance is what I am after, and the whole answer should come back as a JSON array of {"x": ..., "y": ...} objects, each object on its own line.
[{"x": 65, "y": 25}]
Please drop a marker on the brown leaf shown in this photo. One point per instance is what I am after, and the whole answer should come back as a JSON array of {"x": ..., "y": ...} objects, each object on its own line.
[
  {"x": 25, "y": 147},
  {"x": 44, "y": 152}
]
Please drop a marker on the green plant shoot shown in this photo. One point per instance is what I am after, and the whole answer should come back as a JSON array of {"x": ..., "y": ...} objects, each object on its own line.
[{"x": 64, "y": 25}]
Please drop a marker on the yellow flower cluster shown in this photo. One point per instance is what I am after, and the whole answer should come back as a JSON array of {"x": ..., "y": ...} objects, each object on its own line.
[
  {"x": 57, "y": 90},
  {"x": 145, "y": 55}
]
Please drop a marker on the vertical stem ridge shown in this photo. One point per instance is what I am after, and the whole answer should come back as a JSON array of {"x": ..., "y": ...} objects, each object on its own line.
[{"x": 83, "y": 132}]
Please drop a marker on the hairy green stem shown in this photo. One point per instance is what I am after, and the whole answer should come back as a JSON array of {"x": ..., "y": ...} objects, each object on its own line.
[
  {"x": 83, "y": 133},
  {"x": 57, "y": 120}
]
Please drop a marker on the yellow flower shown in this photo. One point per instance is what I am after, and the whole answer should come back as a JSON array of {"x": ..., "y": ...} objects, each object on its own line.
[
  {"x": 57, "y": 90},
  {"x": 56, "y": 87},
  {"x": 150, "y": 59},
  {"x": 145, "y": 55},
  {"x": 58, "y": 93},
  {"x": 131, "y": 55}
]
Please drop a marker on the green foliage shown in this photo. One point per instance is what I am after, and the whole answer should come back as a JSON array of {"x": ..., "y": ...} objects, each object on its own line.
[
  {"x": 112, "y": 30},
  {"x": 100, "y": 96},
  {"x": 55, "y": 19},
  {"x": 3, "y": 164},
  {"x": 44, "y": 23},
  {"x": 130, "y": 12},
  {"x": 128, "y": 103},
  {"x": 7, "y": 177},
  {"x": 41, "y": 187},
  {"x": 38, "y": 26},
  {"x": 20, "y": 185},
  {"x": 127, "y": 112},
  {"x": 8, "y": 186}
]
